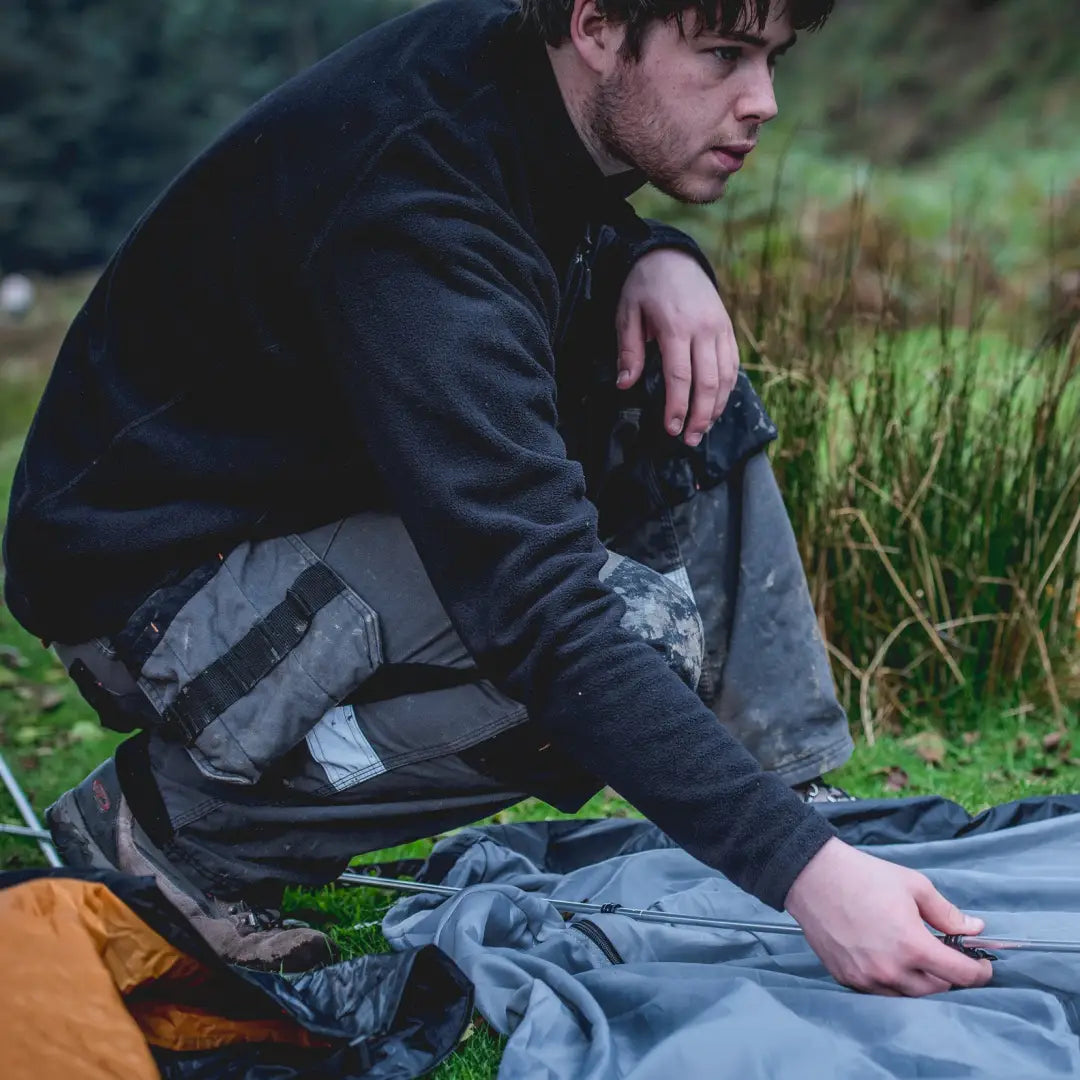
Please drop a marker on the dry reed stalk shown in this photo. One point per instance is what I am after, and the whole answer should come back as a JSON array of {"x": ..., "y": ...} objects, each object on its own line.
[
  {"x": 925, "y": 623},
  {"x": 872, "y": 670},
  {"x": 1070, "y": 532},
  {"x": 1030, "y": 620}
]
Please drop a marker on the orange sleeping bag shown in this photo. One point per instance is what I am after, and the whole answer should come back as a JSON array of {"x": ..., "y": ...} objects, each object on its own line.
[{"x": 86, "y": 985}]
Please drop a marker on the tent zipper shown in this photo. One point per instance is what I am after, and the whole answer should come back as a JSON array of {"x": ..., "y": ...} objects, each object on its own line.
[{"x": 599, "y": 939}]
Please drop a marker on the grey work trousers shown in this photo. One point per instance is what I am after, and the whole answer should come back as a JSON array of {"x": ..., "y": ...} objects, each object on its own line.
[{"x": 377, "y": 729}]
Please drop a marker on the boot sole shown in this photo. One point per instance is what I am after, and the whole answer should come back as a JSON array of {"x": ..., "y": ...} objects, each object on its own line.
[{"x": 72, "y": 835}]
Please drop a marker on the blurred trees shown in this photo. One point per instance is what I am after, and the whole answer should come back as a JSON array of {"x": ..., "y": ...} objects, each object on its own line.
[
  {"x": 902, "y": 81},
  {"x": 103, "y": 101}
]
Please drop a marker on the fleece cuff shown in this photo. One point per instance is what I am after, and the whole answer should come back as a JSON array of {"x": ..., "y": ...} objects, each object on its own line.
[{"x": 788, "y": 862}]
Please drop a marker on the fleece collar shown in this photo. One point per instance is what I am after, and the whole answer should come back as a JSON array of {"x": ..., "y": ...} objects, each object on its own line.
[{"x": 564, "y": 180}]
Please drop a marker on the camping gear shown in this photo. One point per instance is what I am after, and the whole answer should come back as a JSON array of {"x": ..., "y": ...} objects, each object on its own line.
[
  {"x": 22, "y": 803},
  {"x": 103, "y": 978},
  {"x": 602, "y": 997},
  {"x": 966, "y": 943},
  {"x": 26, "y": 832},
  {"x": 974, "y": 944}
]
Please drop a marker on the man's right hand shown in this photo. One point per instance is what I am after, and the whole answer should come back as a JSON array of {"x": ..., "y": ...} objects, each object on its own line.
[{"x": 864, "y": 917}]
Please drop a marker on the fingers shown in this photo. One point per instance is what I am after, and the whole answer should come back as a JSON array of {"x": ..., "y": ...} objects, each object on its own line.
[
  {"x": 713, "y": 365},
  {"x": 945, "y": 962},
  {"x": 727, "y": 355},
  {"x": 706, "y": 388},
  {"x": 914, "y": 984},
  {"x": 930, "y": 984},
  {"x": 698, "y": 383},
  {"x": 930, "y": 969},
  {"x": 941, "y": 914},
  {"x": 929, "y": 966},
  {"x": 630, "y": 328},
  {"x": 941, "y": 960},
  {"x": 678, "y": 379}
]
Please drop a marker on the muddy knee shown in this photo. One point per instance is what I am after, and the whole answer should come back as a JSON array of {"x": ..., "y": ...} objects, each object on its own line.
[{"x": 660, "y": 612}]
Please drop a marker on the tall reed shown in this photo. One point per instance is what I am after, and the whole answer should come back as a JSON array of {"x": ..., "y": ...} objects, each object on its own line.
[{"x": 929, "y": 456}]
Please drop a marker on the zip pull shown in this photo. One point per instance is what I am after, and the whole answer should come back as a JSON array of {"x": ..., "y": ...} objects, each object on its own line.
[{"x": 586, "y": 259}]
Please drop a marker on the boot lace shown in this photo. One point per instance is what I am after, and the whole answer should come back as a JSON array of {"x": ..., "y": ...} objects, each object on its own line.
[{"x": 251, "y": 919}]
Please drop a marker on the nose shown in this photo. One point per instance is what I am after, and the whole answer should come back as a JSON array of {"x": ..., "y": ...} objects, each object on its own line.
[{"x": 757, "y": 102}]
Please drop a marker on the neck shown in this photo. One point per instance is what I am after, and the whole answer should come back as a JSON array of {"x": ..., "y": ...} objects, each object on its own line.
[{"x": 577, "y": 87}]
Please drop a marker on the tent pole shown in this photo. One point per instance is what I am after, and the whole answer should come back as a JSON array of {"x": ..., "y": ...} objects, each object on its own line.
[
  {"x": 28, "y": 815},
  {"x": 25, "y": 832},
  {"x": 578, "y": 908},
  {"x": 975, "y": 944}
]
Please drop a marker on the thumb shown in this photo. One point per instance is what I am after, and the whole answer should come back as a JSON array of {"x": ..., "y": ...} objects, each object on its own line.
[
  {"x": 945, "y": 916},
  {"x": 629, "y": 325}
]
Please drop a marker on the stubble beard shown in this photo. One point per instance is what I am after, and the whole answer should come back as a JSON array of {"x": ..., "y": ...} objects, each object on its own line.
[{"x": 627, "y": 122}]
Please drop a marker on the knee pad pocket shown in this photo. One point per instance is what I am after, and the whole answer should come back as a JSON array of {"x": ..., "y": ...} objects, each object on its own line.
[{"x": 661, "y": 610}]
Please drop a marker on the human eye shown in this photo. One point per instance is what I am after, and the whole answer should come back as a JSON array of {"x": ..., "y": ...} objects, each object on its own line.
[{"x": 727, "y": 54}]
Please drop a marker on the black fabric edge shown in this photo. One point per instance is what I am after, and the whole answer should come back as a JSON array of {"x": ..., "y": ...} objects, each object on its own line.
[
  {"x": 429, "y": 1016},
  {"x": 864, "y": 822}
]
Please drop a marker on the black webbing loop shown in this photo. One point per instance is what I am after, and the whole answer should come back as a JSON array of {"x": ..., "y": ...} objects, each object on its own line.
[{"x": 236, "y": 672}]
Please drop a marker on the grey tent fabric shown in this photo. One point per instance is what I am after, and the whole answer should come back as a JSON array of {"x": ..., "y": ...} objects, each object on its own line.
[{"x": 656, "y": 1002}]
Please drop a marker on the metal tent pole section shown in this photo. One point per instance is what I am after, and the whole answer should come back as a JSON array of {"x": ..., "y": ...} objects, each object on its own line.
[
  {"x": 975, "y": 942},
  {"x": 26, "y": 832},
  {"x": 28, "y": 815},
  {"x": 577, "y": 908}
]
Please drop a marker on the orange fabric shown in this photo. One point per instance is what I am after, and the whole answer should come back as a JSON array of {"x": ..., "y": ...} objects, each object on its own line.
[
  {"x": 71, "y": 950},
  {"x": 61, "y": 1014},
  {"x": 187, "y": 1028}
]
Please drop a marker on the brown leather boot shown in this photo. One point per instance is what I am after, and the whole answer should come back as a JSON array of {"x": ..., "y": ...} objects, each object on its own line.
[{"x": 92, "y": 826}]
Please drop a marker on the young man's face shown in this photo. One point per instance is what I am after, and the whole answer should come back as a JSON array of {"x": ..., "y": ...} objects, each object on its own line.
[{"x": 689, "y": 110}]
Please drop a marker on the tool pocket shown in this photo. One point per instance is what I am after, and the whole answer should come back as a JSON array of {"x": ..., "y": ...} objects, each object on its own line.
[{"x": 255, "y": 658}]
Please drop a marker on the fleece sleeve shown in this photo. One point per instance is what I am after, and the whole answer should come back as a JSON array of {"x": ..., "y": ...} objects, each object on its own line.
[
  {"x": 437, "y": 310},
  {"x": 620, "y": 245}
]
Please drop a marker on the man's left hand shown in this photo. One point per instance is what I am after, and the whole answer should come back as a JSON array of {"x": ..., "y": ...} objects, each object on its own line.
[{"x": 669, "y": 298}]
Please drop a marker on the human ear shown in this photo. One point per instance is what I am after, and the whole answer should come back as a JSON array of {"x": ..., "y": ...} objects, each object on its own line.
[{"x": 595, "y": 37}]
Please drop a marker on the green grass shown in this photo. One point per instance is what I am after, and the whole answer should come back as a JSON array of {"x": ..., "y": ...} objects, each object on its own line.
[
  {"x": 860, "y": 400},
  {"x": 49, "y": 736},
  {"x": 51, "y": 739},
  {"x": 924, "y": 372}
]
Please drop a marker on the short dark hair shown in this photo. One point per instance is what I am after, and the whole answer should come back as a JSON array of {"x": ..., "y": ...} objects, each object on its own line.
[{"x": 551, "y": 18}]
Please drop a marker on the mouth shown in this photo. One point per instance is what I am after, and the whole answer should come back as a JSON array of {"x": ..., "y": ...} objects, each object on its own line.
[{"x": 730, "y": 156}]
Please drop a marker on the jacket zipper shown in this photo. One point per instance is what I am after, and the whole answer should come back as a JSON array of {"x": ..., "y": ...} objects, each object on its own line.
[
  {"x": 584, "y": 258},
  {"x": 578, "y": 282},
  {"x": 599, "y": 939}
]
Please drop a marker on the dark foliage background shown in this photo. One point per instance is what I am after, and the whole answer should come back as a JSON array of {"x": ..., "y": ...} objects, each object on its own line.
[{"x": 103, "y": 101}]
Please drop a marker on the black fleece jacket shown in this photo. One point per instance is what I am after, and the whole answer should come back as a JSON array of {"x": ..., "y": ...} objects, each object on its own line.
[{"x": 352, "y": 301}]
